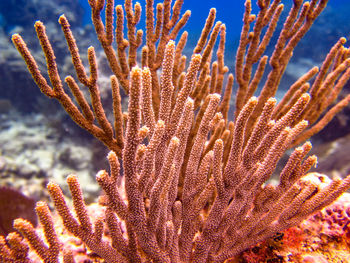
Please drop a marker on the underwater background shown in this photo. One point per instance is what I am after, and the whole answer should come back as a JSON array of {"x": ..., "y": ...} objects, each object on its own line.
[{"x": 39, "y": 142}]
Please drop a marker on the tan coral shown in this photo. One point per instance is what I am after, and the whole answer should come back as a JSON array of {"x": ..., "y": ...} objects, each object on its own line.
[{"x": 193, "y": 187}]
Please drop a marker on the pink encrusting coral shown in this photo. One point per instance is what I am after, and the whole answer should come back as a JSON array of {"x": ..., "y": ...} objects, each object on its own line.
[{"x": 335, "y": 220}]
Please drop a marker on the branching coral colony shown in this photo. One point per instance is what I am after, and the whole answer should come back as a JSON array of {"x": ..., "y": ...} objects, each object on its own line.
[{"x": 192, "y": 187}]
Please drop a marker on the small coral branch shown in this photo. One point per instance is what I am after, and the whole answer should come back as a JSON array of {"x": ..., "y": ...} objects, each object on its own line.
[
  {"x": 16, "y": 250},
  {"x": 84, "y": 116},
  {"x": 330, "y": 78}
]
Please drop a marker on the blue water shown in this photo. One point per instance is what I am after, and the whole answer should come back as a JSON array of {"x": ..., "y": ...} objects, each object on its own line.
[{"x": 229, "y": 12}]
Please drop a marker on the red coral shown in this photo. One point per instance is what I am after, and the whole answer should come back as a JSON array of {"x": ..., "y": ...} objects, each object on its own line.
[
  {"x": 293, "y": 237},
  {"x": 256, "y": 254}
]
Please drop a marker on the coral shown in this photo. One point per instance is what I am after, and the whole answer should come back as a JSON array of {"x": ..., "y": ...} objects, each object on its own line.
[
  {"x": 185, "y": 183},
  {"x": 16, "y": 205},
  {"x": 18, "y": 16},
  {"x": 322, "y": 237}
]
